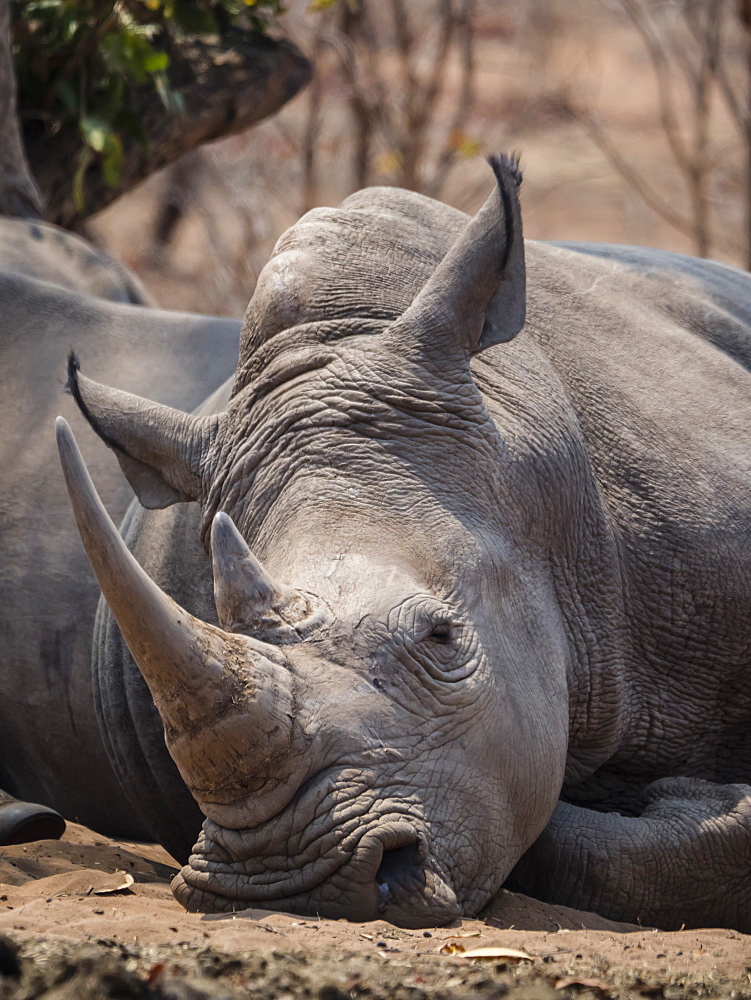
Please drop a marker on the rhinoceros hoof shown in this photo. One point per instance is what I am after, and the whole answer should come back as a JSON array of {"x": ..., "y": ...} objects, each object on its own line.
[{"x": 22, "y": 822}]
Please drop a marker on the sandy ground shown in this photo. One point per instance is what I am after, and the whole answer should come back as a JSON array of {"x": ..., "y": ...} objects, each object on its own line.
[{"x": 88, "y": 916}]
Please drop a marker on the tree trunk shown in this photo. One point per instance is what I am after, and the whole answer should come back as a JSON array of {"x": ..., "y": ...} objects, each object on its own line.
[
  {"x": 19, "y": 195},
  {"x": 226, "y": 85}
]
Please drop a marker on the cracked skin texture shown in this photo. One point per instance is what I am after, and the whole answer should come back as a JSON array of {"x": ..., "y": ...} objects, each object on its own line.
[{"x": 531, "y": 562}]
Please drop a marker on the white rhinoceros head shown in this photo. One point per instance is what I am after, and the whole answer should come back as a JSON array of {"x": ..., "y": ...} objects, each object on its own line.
[{"x": 377, "y": 726}]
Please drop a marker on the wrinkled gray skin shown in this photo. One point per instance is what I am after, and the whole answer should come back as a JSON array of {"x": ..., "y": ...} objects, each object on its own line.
[
  {"x": 57, "y": 291},
  {"x": 471, "y": 598}
]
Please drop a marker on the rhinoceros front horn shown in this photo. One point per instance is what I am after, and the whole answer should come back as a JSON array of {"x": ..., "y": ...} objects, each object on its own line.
[{"x": 229, "y": 730}]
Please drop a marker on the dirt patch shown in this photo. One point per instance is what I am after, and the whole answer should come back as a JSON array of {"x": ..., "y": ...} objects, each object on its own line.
[{"x": 91, "y": 917}]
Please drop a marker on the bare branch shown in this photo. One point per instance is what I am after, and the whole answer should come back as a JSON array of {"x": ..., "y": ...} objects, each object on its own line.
[
  {"x": 645, "y": 25},
  {"x": 405, "y": 42},
  {"x": 741, "y": 116},
  {"x": 744, "y": 15},
  {"x": 685, "y": 37},
  {"x": 422, "y": 107},
  {"x": 312, "y": 125},
  {"x": 448, "y": 155},
  {"x": 364, "y": 110},
  {"x": 634, "y": 179}
]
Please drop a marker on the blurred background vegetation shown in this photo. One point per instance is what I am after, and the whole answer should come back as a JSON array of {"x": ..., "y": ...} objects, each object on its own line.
[
  {"x": 110, "y": 90},
  {"x": 633, "y": 119}
]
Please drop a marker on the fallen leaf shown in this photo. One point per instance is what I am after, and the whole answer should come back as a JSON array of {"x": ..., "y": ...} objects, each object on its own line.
[
  {"x": 126, "y": 883},
  {"x": 505, "y": 954}
]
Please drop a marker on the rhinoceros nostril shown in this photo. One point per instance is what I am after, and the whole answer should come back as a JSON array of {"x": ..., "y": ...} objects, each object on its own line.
[{"x": 401, "y": 869}]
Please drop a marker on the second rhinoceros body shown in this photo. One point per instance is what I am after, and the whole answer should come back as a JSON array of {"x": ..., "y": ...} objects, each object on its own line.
[{"x": 452, "y": 606}]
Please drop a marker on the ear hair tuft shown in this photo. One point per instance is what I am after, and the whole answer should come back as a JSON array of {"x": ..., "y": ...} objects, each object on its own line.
[
  {"x": 503, "y": 164},
  {"x": 72, "y": 386},
  {"x": 74, "y": 367},
  {"x": 507, "y": 173}
]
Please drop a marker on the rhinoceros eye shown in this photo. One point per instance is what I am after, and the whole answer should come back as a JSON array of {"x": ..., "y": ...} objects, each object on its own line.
[
  {"x": 433, "y": 637},
  {"x": 423, "y": 622},
  {"x": 441, "y": 632}
]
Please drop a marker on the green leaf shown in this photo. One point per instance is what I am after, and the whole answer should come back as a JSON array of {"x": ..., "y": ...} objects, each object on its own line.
[
  {"x": 155, "y": 61},
  {"x": 177, "y": 102},
  {"x": 113, "y": 53},
  {"x": 69, "y": 24},
  {"x": 112, "y": 161},
  {"x": 172, "y": 101},
  {"x": 34, "y": 7},
  {"x": 111, "y": 99},
  {"x": 163, "y": 89},
  {"x": 67, "y": 84},
  {"x": 96, "y": 133},
  {"x": 84, "y": 160}
]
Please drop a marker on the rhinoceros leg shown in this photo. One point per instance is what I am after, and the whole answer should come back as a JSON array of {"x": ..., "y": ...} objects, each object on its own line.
[
  {"x": 22, "y": 822},
  {"x": 685, "y": 860}
]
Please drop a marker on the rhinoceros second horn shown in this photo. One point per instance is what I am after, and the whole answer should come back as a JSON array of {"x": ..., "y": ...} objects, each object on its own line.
[{"x": 242, "y": 587}]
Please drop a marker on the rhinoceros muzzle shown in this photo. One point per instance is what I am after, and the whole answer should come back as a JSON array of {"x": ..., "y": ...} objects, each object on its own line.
[{"x": 385, "y": 873}]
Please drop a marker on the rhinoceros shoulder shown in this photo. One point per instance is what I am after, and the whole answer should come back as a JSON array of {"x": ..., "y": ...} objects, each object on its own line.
[{"x": 47, "y": 253}]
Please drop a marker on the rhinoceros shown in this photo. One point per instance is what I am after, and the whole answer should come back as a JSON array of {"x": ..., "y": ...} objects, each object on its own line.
[
  {"x": 38, "y": 250},
  {"x": 422, "y": 605},
  {"x": 56, "y": 290}
]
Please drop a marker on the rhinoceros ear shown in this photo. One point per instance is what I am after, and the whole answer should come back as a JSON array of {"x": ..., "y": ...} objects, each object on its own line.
[
  {"x": 477, "y": 295},
  {"x": 159, "y": 449}
]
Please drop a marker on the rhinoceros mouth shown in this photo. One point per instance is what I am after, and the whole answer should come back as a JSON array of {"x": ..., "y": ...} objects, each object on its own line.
[{"x": 385, "y": 873}]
